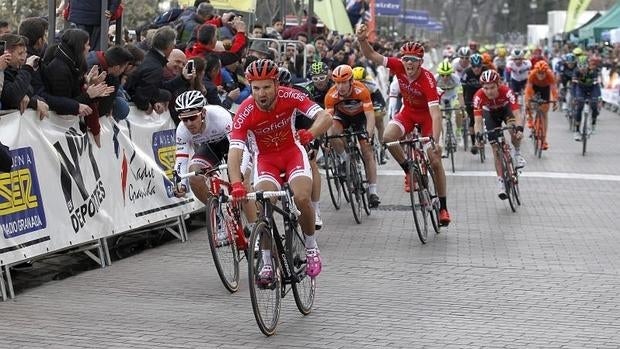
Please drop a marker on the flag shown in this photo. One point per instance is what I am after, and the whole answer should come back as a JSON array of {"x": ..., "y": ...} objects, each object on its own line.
[{"x": 575, "y": 9}]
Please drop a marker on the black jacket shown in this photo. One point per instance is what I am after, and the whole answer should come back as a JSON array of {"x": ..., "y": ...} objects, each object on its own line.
[
  {"x": 88, "y": 12},
  {"x": 145, "y": 83},
  {"x": 213, "y": 97},
  {"x": 17, "y": 84}
]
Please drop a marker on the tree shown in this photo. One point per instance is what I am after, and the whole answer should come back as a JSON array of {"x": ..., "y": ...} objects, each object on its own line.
[{"x": 13, "y": 11}]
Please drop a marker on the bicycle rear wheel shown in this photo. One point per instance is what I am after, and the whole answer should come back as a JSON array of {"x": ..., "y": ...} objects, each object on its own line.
[
  {"x": 363, "y": 181},
  {"x": 332, "y": 177},
  {"x": 225, "y": 255},
  {"x": 584, "y": 132},
  {"x": 506, "y": 165},
  {"x": 353, "y": 184},
  {"x": 482, "y": 154},
  {"x": 465, "y": 133},
  {"x": 304, "y": 287},
  {"x": 265, "y": 298}
]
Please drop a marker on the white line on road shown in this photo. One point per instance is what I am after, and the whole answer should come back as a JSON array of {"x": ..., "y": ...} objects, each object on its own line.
[{"x": 557, "y": 175}]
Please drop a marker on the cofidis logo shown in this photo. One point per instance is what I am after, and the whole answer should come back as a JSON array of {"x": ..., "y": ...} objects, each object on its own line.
[
  {"x": 164, "y": 151},
  {"x": 21, "y": 205}
]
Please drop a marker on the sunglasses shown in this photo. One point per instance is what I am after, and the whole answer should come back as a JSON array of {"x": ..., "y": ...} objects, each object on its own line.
[
  {"x": 319, "y": 78},
  {"x": 191, "y": 118},
  {"x": 411, "y": 59},
  {"x": 445, "y": 75}
]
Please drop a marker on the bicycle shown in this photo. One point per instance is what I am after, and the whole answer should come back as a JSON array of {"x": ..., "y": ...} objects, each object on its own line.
[
  {"x": 223, "y": 218},
  {"x": 423, "y": 193},
  {"x": 539, "y": 131},
  {"x": 449, "y": 136},
  {"x": 288, "y": 258},
  {"x": 584, "y": 128},
  {"x": 335, "y": 179},
  {"x": 509, "y": 174},
  {"x": 355, "y": 182}
]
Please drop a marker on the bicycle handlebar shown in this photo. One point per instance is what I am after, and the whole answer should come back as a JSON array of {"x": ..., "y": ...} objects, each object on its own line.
[
  {"x": 201, "y": 172},
  {"x": 347, "y": 134},
  {"x": 409, "y": 141}
]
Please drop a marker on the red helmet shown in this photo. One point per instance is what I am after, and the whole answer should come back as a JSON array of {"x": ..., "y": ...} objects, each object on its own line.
[
  {"x": 342, "y": 73},
  {"x": 541, "y": 67},
  {"x": 489, "y": 76},
  {"x": 262, "y": 69},
  {"x": 412, "y": 49}
]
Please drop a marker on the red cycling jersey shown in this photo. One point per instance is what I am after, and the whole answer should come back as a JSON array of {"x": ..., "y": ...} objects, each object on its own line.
[
  {"x": 504, "y": 98},
  {"x": 419, "y": 94},
  {"x": 273, "y": 131}
]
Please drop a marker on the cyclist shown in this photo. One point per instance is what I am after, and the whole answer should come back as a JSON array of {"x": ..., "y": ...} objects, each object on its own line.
[
  {"x": 350, "y": 103},
  {"x": 378, "y": 102},
  {"x": 471, "y": 84},
  {"x": 497, "y": 104},
  {"x": 586, "y": 86},
  {"x": 565, "y": 69},
  {"x": 265, "y": 118},
  {"x": 461, "y": 62},
  {"x": 517, "y": 71},
  {"x": 420, "y": 106},
  {"x": 452, "y": 95},
  {"x": 303, "y": 122},
  {"x": 541, "y": 83},
  {"x": 487, "y": 61},
  {"x": 203, "y": 131},
  {"x": 500, "y": 60}
]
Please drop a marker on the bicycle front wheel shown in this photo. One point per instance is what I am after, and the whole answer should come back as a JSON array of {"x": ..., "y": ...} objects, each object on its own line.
[
  {"x": 353, "y": 184},
  {"x": 363, "y": 180},
  {"x": 224, "y": 251},
  {"x": 265, "y": 295},
  {"x": 417, "y": 208},
  {"x": 506, "y": 165},
  {"x": 584, "y": 133},
  {"x": 332, "y": 177},
  {"x": 431, "y": 187},
  {"x": 304, "y": 287}
]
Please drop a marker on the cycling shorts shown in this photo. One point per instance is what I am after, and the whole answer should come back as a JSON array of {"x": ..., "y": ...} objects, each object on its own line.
[
  {"x": 407, "y": 118},
  {"x": 209, "y": 155},
  {"x": 292, "y": 162},
  {"x": 357, "y": 123},
  {"x": 494, "y": 119},
  {"x": 517, "y": 86}
]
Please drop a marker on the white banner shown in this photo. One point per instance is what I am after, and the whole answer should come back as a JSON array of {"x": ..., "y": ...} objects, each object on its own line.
[{"x": 63, "y": 190}]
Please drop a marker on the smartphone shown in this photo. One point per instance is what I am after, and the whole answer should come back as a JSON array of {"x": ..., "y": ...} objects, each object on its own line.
[
  {"x": 2, "y": 47},
  {"x": 190, "y": 66},
  {"x": 35, "y": 64}
]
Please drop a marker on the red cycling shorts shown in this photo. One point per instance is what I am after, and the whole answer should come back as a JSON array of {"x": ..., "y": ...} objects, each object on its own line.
[
  {"x": 292, "y": 162},
  {"x": 407, "y": 118}
]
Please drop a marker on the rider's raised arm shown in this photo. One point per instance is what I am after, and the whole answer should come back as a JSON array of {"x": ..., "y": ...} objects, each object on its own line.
[{"x": 366, "y": 48}]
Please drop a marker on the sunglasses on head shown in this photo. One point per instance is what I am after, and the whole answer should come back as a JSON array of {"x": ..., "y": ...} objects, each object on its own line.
[
  {"x": 411, "y": 59},
  {"x": 190, "y": 117},
  {"x": 318, "y": 78}
]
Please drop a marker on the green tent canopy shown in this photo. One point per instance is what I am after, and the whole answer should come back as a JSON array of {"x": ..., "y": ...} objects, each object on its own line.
[{"x": 609, "y": 20}]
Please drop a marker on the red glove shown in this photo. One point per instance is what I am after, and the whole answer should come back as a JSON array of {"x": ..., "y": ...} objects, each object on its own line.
[
  {"x": 238, "y": 191},
  {"x": 305, "y": 136}
]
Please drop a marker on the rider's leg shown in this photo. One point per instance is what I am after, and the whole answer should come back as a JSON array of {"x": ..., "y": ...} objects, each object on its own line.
[
  {"x": 198, "y": 184},
  {"x": 249, "y": 207},
  {"x": 301, "y": 185},
  {"x": 545, "y": 125},
  {"x": 316, "y": 191},
  {"x": 265, "y": 245},
  {"x": 394, "y": 132},
  {"x": 379, "y": 125},
  {"x": 336, "y": 143}
]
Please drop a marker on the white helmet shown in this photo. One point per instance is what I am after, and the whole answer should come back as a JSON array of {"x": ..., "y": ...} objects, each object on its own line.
[
  {"x": 190, "y": 101},
  {"x": 464, "y": 52},
  {"x": 518, "y": 53}
]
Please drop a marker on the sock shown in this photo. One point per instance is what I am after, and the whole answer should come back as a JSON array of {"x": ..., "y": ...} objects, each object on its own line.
[
  {"x": 517, "y": 151},
  {"x": 310, "y": 241},
  {"x": 473, "y": 138},
  {"x": 442, "y": 203},
  {"x": 405, "y": 166},
  {"x": 343, "y": 156},
  {"x": 500, "y": 179},
  {"x": 317, "y": 208},
  {"x": 266, "y": 257},
  {"x": 372, "y": 189}
]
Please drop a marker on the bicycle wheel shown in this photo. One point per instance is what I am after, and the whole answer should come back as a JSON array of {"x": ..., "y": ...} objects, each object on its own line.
[
  {"x": 304, "y": 287},
  {"x": 465, "y": 129},
  {"x": 333, "y": 179},
  {"x": 506, "y": 164},
  {"x": 482, "y": 154},
  {"x": 433, "y": 209},
  {"x": 416, "y": 206},
  {"x": 363, "y": 181},
  {"x": 376, "y": 148},
  {"x": 584, "y": 132},
  {"x": 265, "y": 298},
  {"x": 451, "y": 154},
  {"x": 514, "y": 178},
  {"x": 225, "y": 256},
  {"x": 353, "y": 184},
  {"x": 539, "y": 135}
]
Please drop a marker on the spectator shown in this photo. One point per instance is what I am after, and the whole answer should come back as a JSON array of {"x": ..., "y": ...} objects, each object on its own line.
[
  {"x": 114, "y": 62},
  {"x": 204, "y": 11},
  {"x": 231, "y": 80},
  {"x": 86, "y": 15},
  {"x": 276, "y": 29},
  {"x": 63, "y": 72},
  {"x": 257, "y": 31},
  {"x": 196, "y": 83},
  {"x": 176, "y": 62},
  {"x": 35, "y": 30},
  {"x": 207, "y": 40},
  {"x": 5, "y": 58},
  {"x": 259, "y": 49},
  {"x": 4, "y": 27},
  {"x": 17, "y": 92},
  {"x": 146, "y": 86},
  {"x": 212, "y": 74},
  {"x": 291, "y": 32}
]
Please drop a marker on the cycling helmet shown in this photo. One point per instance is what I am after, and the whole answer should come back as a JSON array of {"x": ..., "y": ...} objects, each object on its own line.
[
  {"x": 518, "y": 54},
  {"x": 489, "y": 76},
  {"x": 464, "y": 52},
  {"x": 284, "y": 76},
  {"x": 541, "y": 67},
  {"x": 412, "y": 49},
  {"x": 262, "y": 69},
  {"x": 445, "y": 68},
  {"x": 570, "y": 58},
  {"x": 190, "y": 101},
  {"x": 318, "y": 68},
  {"x": 342, "y": 73},
  {"x": 487, "y": 59},
  {"x": 502, "y": 52},
  {"x": 582, "y": 61},
  {"x": 475, "y": 60},
  {"x": 577, "y": 51},
  {"x": 359, "y": 73},
  {"x": 482, "y": 50}
]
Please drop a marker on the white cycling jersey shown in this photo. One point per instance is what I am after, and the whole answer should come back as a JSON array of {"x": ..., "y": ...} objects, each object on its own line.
[
  {"x": 519, "y": 73},
  {"x": 448, "y": 88},
  {"x": 394, "y": 95},
  {"x": 459, "y": 68}
]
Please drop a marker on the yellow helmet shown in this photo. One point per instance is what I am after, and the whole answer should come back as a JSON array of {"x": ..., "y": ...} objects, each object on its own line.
[
  {"x": 359, "y": 73},
  {"x": 502, "y": 52},
  {"x": 445, "y": 68},
  {"x": 577, "y": 51}
]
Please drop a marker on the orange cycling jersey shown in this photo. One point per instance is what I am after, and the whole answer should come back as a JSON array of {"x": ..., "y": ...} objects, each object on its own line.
[
  {"x": 356, "y": 103},
  {"x": 545, "y": 88}
]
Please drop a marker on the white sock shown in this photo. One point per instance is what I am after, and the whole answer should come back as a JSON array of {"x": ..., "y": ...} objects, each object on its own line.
[
  {"x": 316, "y": 204},
  {"x": 266, "y": 257},
  {"x": 372, "y": 188},
  {"x": 500, "y": 179},
  {"x": 310, "y": 241}
]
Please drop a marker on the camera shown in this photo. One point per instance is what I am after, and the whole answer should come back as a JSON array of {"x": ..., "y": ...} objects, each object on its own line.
[{"x": 2, "y": 47}]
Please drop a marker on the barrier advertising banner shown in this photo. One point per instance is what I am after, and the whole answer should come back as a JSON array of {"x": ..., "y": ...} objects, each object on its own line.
[{"x": 63, "y": 190}]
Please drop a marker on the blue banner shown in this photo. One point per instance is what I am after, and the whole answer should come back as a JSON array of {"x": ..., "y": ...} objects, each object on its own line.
[
  {"x": 388, "y": 8},
  {"x": 415, "y": 17},
  {"x": 432, "y": 25}
]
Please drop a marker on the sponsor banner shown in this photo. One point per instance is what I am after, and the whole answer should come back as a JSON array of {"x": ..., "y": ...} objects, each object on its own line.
[
  {"x": 415, "y": 17},
  {"x": 63, "y": 190},
  {"x": 387, "y": 8}
]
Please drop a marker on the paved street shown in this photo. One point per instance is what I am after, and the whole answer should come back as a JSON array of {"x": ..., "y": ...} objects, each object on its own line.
[{"x": 545, "y": 276}]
